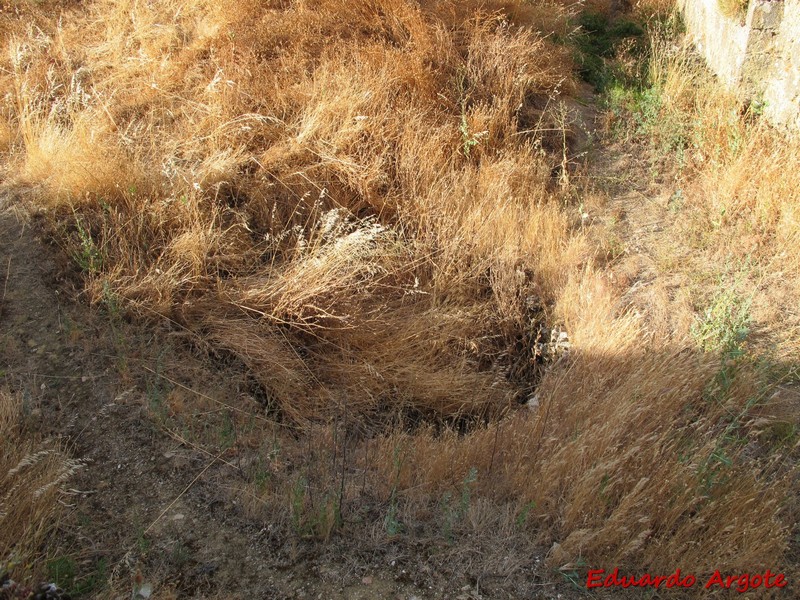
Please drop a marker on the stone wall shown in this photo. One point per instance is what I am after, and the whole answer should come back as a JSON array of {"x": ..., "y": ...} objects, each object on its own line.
[
  {"x": 758, "y": 55},
  {"x": 708, "y": 27},
  {"x": 782, "y": 88}
]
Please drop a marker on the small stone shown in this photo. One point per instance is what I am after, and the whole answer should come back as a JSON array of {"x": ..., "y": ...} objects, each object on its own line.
[
  {"x": 367, "y": 580},
  {"x": 144, "y": 592},
  {"x": 178, "y": 517}
]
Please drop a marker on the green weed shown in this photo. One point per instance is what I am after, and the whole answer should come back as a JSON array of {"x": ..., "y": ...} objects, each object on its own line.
[
  {"x": 63, "y": 572},
  {"x": 455, "y": 511},
  {"x": 261, "y": 476},
  {"x": 88, "y": 256},
  {"x": 597, "y": 43},
  {"x": 111, "y": 301},
  {"x": 310, "y": 518},
  {"x": 142, "y": 543},
  {"x": 724, "y": 324},
  {"x": 468, "y": 139},
  {"x": 391, "y": 523},
  {"x": 157, "y": 392},
  {"x": 179, "y": 555},
  {"x": 781, "y": 435},
  {"x": 522, "y": 517},
  {"x": 297, "y": 503},
  {"x": 572, "y": 575},
  {"x": 227, "y": 432}
]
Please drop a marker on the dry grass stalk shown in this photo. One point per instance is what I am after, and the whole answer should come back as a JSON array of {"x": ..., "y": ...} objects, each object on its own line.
[{"x": 31, "y": 477}]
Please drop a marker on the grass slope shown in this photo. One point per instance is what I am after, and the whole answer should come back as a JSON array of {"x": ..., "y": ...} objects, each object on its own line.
[{"x": 372, "y": 206}]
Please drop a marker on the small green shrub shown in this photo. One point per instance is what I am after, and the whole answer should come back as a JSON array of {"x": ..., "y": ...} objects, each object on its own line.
[
  {"x": 391, "y": 522},
  {"x": 88, "y": 256},
  {"x": 597, "y": 43},
  {"x": 724, "y": 325},
  {"x": 455, "y": 511}
]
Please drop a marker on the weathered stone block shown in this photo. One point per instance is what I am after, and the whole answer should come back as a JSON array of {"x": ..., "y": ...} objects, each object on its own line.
[
  {"x": 765, "y": 14},
  {"x": 760, "y": 59}
]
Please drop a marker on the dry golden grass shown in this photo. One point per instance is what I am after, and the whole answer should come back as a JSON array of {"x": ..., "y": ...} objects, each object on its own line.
[
  {"x": 742, "y": 189},
  {"x": 622, "y": 459},
  {"x": 264, "y": 163},
  {"x": 734, "y": 9},
  {"x": 356, "y": 201},
  {"x": 31, "y": 477}
]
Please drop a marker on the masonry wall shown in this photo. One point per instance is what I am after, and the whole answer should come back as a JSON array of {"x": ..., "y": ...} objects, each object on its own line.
[
  {"x": 782, "y": 88},
  {"x": 721, "y": 40},
  {"x": 758, "y": 56}
]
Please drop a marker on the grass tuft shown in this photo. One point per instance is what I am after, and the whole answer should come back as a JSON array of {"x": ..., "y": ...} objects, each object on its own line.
[{"x": 32, "y": 476}]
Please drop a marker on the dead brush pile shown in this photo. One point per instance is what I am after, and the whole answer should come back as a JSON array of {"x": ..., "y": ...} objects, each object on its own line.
[{"x": 355, "y": 199}]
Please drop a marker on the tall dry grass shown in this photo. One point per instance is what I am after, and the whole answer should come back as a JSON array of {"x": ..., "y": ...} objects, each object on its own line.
[
  {"x": 300, "y": 194},
  {"x": 356, "y": 200},
  {"x": 31, "y": 479},
  {"x": 742, "y": 189},
  {"x": 634, "y": 458}
]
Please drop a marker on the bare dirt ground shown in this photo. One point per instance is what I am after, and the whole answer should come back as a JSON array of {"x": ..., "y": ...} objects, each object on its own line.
[
  {"x": 66, "y": 359},
  {"x": 632, "y": 224}
]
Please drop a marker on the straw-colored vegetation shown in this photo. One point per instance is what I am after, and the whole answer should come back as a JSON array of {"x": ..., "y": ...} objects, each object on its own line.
[
  {"x": 735, "y": 9},
  {"x": 373, "y": 206},
  {"x": 32, "y": 476}
]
